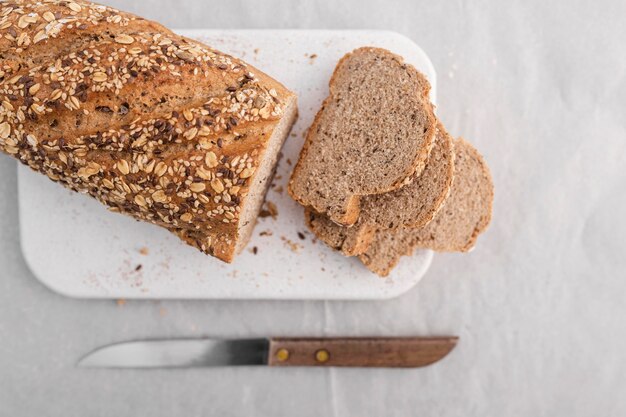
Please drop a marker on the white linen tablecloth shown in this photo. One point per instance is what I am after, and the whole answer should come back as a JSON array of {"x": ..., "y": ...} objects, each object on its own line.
[{"x": 540, "y": 88}]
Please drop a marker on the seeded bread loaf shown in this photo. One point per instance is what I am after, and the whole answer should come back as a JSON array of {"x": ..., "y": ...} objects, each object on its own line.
[
  {"x": 373, "y": 132},
  {"x": 151, "y": 124},
  {"x": 413, "y": 205},
  {"x": 465, "y": 214}
]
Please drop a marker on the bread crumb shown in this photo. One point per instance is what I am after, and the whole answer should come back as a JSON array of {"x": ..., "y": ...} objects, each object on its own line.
[
  {"x": 271, "y": 207},
  {"x": 279, "y": 189},
  {"x": 301, "y": 236},
  {"x": 291, "y": 245},
  {"x": 121, "y": 302},
  {"x": 138, "y": 267},
  {"x": 256, "y": 51},
  {"x": 254, "y": 250},
  {"x": 144, "y": 251},
  {"x": 289, "y": 161},
  {"x": 266, "y": 233},
  {"x": 270, "y": 210}
]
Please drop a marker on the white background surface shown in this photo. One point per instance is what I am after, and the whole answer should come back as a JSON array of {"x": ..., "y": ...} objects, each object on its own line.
[{"x": 540, "y": 88}]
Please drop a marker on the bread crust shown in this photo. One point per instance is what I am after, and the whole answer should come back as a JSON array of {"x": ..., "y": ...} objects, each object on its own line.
[
  {"x": 152, "y": 124},
  {"x": 485, "y": 219}
]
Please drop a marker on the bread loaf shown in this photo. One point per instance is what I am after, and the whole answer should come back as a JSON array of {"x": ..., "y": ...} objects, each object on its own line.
[
  {"x": 150, "y": 123},
  {"x": 373, "y": 132},
  {"x": 413, "y": 205}
]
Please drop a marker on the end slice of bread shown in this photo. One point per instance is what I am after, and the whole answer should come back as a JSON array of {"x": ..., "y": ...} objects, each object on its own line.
[
  {"x": 466, "y": 214},
  {"x": 348, "y": 240},
  {"x": 413, "y": 205},
  {"x": 373, "y": 132}
]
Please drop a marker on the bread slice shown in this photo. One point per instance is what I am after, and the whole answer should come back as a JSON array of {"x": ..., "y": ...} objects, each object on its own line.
[
  {"x": 466, "y": 214},
  {"x": 349, "y": 241},
  {"x": 413, "y": 205},
  {"x": 373, "y": 132}
]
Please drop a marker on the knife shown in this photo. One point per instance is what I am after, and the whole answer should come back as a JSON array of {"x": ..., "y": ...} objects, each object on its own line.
[{"x": 397, "y": 352}]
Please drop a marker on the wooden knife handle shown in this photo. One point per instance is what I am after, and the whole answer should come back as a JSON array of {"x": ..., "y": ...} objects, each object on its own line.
[{"x": 402, "y": 352}]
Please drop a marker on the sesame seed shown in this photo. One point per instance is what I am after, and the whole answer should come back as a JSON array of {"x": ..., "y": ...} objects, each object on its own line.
[{"x": 187, "y": 217}]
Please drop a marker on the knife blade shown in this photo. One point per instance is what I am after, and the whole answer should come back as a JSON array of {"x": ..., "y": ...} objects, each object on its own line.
[{"x": 404, "y": 352}]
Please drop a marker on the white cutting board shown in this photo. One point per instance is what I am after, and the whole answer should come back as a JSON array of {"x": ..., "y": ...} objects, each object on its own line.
[{"x": 78, "y": 248}]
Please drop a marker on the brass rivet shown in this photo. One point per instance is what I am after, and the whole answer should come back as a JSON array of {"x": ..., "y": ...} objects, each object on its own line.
[
  {"x": 282, "y": 355},
  {"x": 322, "y": 356}
]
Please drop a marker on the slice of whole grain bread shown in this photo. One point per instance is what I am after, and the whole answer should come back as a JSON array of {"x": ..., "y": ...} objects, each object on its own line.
[
  {"x": 413, "y": 205},
  {"x": 466, "y": 214},
  {"x": 348, "y": 240},
  {"x": 373, "y": 132}
]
